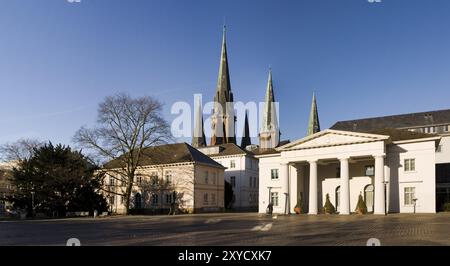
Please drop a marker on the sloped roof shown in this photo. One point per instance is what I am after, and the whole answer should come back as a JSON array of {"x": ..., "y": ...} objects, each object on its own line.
[
  {"x": 395, "y": 121},
  {"x": 169, "y": 154},
  {"x": 401, "y": 134},
  {"x": 228, "y": 149}
]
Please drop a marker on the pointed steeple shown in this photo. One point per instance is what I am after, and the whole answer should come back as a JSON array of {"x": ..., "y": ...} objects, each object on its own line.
[
  {"x": 223, "y": 91},
  {"x": 198, "y": 139},
  {"x": 246, "y": 140},
  {"x": 269, "y": 111},
  {"x": 313, "y": 125},
  {"x": 223, "y": 120},
  {"x": 269, "y": 136}
]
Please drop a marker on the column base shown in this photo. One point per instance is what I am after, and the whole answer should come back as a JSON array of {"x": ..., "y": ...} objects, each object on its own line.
[
  {"x": 312, "y": 213},
  {"x": 344, "y": 213}
]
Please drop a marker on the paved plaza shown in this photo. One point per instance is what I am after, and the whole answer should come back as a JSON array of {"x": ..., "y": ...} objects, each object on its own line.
[{"x": 247, "y": 229}]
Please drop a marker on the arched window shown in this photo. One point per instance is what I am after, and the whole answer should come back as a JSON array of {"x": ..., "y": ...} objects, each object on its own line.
[
  {"x": 137, "y": 201},
  {"x": 338, "y": 198},
  {"x": 368, "y": 197}
]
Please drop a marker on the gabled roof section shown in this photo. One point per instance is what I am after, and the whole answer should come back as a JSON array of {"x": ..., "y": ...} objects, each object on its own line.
[
  {"x": 169, "y": 154},
  {"x": 331, "y": 137}
]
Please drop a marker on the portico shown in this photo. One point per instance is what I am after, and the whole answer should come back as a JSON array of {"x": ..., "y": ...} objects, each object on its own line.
[
  {"x": 339, "y": 163},
  {"x": 393, "y": 172}
]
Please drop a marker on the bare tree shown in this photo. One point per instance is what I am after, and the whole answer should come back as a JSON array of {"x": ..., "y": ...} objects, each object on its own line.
[
  {"x": 125, "y": 128},
  {"x": 19, "y": 150}
]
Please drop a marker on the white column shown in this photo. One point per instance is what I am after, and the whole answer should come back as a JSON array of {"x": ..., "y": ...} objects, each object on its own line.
[
  {"x": 345, "y": 187},
  {"x": 285, "y": 179},
  {"x": 312, "y": 187},
  {"x": 293, "y": 186},
  {"x": 379, "y": 198}
]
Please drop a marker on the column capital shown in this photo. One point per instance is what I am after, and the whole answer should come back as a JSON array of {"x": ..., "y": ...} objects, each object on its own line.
[
  {"x": 344, "y": 158},
  {"x": 313, "y": 161},
  {"x": 379, "y": 156}
]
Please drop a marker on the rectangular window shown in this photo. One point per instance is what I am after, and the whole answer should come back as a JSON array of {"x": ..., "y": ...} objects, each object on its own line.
[
  {"x": 274, "y": 174},
  {"x": 154, "y": 199},
  {"x": 410, "y": 165},
  {"x": 168, "y": 177},
  {"x": 232, "y": 164},
  {"x": 274, "y": 198},
  {"x": 122, "y": 199},
  {"x": 138, "y": 179},
  {"x": 112, "y": 181},
  {"x": 169, "y": 198},
  {"x": 446, "y": 128},
  {"x": 154, "y": 179},
  {"x": 213, "y": 199},
  {"x": 369, "y": 170},
  {"x": 214, "y": 178},
  {"x": 233, "y": 181},
  {"x": 111, "y": 200},
  {"x": 205, "y": 199},
  {"x": 251, "y": 181},
  {"x": 206, "y": 177},
  {"x": 410, "y": 195},
  {"x": 439, "y": 148}
]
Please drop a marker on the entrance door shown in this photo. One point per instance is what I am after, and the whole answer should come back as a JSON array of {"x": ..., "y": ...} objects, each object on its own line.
[
  {"x": 368, "y": 197},
  {"x": 338, "y": 198},
  {"x": 137, "y": 201}
]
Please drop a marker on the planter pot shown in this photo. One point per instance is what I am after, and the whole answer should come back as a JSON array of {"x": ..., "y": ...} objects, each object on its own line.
[{"x": 297, "y": 210}]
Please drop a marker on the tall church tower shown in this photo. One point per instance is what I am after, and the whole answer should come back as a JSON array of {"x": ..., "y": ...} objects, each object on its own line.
[
  {"x": 269, "y": 136},
  {"x": 223, "y": 119},
  {"x": 313, "y": 124},
  {"x": 198, "y": 139}
]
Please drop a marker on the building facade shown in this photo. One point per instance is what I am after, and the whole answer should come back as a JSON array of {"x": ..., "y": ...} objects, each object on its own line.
[
  {"x": 432, "y": 122},
  {"x": 241, "y": 172},
  {"x": 171, "y": 175},
  {"x": 392, "y": 169}
]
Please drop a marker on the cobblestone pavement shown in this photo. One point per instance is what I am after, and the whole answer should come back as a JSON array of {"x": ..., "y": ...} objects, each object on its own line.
[{"x": 233, "y": 229}]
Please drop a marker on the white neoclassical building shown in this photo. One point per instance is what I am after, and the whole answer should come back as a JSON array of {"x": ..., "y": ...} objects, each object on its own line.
[{"x": 394, "y": 170}]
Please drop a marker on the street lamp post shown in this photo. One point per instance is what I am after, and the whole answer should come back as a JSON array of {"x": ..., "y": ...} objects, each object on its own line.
[
  {"x": 32, "y": 203},
  {"x": 385, "y": 197},
  {"x": 270, "y": 201}
]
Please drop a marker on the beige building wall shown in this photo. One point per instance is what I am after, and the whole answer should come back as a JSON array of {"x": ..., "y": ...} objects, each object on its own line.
[{"x": 186, "y": 179}]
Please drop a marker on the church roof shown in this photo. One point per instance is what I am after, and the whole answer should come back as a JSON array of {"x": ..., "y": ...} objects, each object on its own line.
[
  {"x": 169, "y": 154},
  {"x": 396, "y": 121}
]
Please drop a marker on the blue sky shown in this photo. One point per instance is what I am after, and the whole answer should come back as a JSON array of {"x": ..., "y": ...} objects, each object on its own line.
[{"x": 58, "y": 60}]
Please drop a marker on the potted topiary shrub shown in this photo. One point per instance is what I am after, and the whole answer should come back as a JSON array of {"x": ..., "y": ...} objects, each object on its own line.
[
  {"x": 361, "y": 207},
  {"x": 299, "y": 206},
  {"x": 328, "y": 208}
]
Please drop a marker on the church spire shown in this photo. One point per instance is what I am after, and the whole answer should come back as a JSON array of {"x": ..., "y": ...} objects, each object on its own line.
[
  {"x": 313, "y": 125},
  {"x": 246, "y": 140},
  {"x": 269, "y": 136},
  {"x": 223, "y": 119},
  {"x": 199, "y": 139}
]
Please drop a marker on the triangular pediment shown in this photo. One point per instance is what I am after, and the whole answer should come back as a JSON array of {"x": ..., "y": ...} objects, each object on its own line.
[{"x": 332, "y": 138}]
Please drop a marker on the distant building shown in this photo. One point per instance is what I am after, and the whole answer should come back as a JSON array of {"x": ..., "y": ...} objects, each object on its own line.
[
  {"x": 6, "y": 187},
  {"x": 241, "y": 172},
  {"x": 172, "y": 173}
]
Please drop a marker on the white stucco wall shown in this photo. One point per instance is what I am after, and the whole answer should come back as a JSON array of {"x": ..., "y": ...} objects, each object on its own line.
[
  {"x": 443, "y": 156},
  {"x": 422, "y": 179},
  {"x": 246, "y": 167}
]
